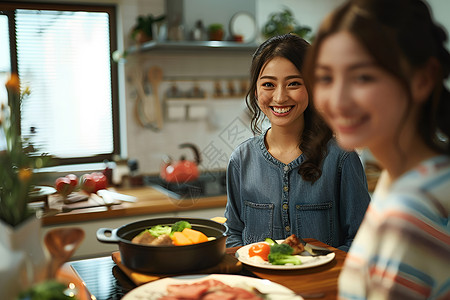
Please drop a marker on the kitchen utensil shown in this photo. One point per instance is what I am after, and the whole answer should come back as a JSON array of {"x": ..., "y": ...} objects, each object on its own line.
[
  {"x": 143, "y": 108},
  {"x": 167, "y": 259},
  {"x": 155, "y": 76},
  {"x": 183, "y": 170},
  {"x": 116, "y": 196},
  {"x": 314, "y": 250},
  {"x": 61, "y": 243}
]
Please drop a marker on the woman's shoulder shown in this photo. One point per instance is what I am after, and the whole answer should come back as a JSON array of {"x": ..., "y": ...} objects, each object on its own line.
[
  {"x": 247, "y": 146},
  {"x": 337, "y": 153}
]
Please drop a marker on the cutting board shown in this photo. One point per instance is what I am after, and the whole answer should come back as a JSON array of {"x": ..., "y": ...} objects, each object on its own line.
[{"x": 228, "y": 265}]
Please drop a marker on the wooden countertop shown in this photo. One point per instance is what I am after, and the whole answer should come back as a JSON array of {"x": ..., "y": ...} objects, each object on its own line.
[{"x": 150, "y": 201}]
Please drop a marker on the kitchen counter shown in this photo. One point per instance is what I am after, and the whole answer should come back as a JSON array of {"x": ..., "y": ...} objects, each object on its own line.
[{"x": 149, "y": 201}]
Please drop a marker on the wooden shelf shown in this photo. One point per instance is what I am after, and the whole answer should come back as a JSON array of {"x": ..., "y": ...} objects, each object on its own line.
[{"x": 192, "y": 46}]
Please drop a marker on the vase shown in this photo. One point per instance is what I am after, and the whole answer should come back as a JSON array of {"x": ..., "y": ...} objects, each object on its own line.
[{"x": 24, "y": 259}]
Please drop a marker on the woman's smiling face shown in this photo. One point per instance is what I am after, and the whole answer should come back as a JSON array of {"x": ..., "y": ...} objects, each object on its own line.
[
  {"x": 281, "y": 93},
  {"x": 361, "y": 102}
]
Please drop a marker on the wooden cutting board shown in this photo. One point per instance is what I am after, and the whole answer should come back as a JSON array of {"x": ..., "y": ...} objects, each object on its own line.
[{"x": 229, "y": 264}]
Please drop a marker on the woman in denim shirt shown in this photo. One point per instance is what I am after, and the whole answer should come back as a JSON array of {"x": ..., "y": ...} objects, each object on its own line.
[{"x": 293, "y": 178}]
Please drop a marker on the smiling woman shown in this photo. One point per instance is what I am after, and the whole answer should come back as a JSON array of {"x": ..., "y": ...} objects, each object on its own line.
[{"x": 62, "y": 54}]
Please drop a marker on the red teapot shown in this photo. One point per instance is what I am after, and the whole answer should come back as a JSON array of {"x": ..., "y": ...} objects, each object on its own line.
[{"x": 183, "y": 170}]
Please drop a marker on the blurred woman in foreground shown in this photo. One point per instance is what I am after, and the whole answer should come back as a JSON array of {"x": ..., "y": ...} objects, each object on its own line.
[{"x": 378, "y": 70}]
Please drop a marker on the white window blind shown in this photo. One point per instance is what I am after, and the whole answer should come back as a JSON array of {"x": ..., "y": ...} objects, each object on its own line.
[{"x": 63, "y": 57}]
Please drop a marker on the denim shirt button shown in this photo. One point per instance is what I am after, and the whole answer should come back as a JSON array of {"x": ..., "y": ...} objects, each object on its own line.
[
  {"x": 287, "y": 228},
  {"x": 286, "y": 188},
  {"x": 286, "y": 168},
  {"x": 285, "y": 206}
]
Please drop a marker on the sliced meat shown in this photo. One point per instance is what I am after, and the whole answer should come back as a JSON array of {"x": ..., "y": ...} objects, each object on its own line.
[
  {"x": 144, "y": 238},
  {"x": 162, "y": 240},
  {"x": 209, "y": 289},
  {"x": 295, "y": 243},
  {"x": 187, "y": 291}
]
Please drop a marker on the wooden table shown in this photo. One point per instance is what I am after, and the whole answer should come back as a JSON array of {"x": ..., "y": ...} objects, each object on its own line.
[{"x": 318, "y": 282}]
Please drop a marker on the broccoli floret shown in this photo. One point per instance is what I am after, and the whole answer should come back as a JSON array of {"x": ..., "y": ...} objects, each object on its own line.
[
  {"x": 281, "y": 254},
  {"x": 179, "y": 226},
  {"x": 158, "y": 230}
]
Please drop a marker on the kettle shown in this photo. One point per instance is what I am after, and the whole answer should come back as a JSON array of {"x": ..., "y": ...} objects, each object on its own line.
[{"x": 183, "y": 170}]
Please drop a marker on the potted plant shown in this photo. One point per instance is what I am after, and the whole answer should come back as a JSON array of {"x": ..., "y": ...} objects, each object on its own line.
[
  {"x": 215, "y": 32},
  {"x": 143, "y": 30},
  {"x": 21, "y": 247},
  {"x": 284, "y": 22}
]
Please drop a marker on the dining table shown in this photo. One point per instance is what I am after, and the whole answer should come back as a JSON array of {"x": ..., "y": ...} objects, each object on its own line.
[{"x": 104, "y": 278}]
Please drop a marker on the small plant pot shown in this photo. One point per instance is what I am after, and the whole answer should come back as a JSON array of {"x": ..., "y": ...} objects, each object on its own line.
[{"x": 216, "y": 35}]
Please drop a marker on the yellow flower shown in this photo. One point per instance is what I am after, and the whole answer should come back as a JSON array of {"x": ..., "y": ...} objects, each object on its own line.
[{"x": 13, "y": 83}]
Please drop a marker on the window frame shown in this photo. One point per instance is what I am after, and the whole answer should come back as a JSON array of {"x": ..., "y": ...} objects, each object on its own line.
[{"x": 8, "y": 8}]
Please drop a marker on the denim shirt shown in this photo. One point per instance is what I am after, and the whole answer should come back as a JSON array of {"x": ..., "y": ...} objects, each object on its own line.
[{"x": 267, "y": 198}]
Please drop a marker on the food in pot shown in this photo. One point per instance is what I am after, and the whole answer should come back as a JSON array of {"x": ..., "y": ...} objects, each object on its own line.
[
  {"x": 179, "y": 234},
  {"x": 208, "y": 289}
]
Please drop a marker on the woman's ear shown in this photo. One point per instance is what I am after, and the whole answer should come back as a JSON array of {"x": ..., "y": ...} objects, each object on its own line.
[{"x": 424, "y": 80}]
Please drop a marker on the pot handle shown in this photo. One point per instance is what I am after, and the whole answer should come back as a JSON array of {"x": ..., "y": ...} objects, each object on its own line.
[{"x": 107, "y": 235}]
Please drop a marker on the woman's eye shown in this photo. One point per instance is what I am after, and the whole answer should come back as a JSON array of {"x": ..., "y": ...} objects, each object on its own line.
[
  {"x": 363, "y": 78},
  {"x": 267, "y": 84},
  {"x": 295, "y": 83},
  {"x": 323, "y": 79}
]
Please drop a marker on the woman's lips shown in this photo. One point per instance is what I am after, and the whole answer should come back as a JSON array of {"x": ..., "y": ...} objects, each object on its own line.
[
  {"x": 348, "y": 125},
  {"x": 281, "y": 110}
]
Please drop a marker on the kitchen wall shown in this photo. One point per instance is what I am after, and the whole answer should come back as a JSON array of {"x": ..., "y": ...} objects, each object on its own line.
[
  {"x": 216, "y": 126},
  {"x": 221, "y": 123}
]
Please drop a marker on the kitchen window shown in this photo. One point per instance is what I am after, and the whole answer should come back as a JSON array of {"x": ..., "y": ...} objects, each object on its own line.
[{"x": 63, "y": 54}]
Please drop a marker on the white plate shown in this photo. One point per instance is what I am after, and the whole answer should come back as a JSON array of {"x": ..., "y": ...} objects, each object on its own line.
[
  {"x": 243, "y": 23},
  {"x": 308, "y": 261},
  {"x": 157, "y": 289}
]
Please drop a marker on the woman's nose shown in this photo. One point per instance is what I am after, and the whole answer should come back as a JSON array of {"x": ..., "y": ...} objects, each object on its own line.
[
  {"x": 280, "y": 94},
  {"x": 339, "y": 98}
]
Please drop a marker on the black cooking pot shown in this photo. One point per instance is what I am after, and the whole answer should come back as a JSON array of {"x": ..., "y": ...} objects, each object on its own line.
[{"x": 167, "y": 259}]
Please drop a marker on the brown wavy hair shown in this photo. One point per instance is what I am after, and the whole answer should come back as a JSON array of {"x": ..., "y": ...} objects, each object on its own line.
[
  {"x": 401, "y": 36},
  {"x": 316, "y": 134}
]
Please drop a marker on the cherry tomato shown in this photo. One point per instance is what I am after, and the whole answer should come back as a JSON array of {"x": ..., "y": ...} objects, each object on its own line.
[{"x": 261, "y": 249}]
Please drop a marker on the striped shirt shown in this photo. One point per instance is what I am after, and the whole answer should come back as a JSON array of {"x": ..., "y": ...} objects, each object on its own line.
[{"x": 402, "y": 249}]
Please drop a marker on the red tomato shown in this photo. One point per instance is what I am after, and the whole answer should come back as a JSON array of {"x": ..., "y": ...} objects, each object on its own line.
[
  {"x": 73, "y": 179},
  {"x": 63, "y": 186},
  {"x": 261, "y": 249},
  {"x": 87, "y": 183},
  {"x": 100, "y": 181}
]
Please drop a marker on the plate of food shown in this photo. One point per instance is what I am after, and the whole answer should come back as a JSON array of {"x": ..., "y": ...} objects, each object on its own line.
[
  {"x": 287, "y": 254},
  {"x": 215, "y": 286}
]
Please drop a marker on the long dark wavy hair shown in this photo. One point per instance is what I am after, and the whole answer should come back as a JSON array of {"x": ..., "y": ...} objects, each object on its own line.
[
  {"x": 316, "y": 134},
  {"x": 402, "y": 37}
]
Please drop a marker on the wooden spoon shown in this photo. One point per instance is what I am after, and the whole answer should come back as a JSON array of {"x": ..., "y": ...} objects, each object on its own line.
[
  {"x": 62, "y": 243},
  {"x": 155, "y": 76}
]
